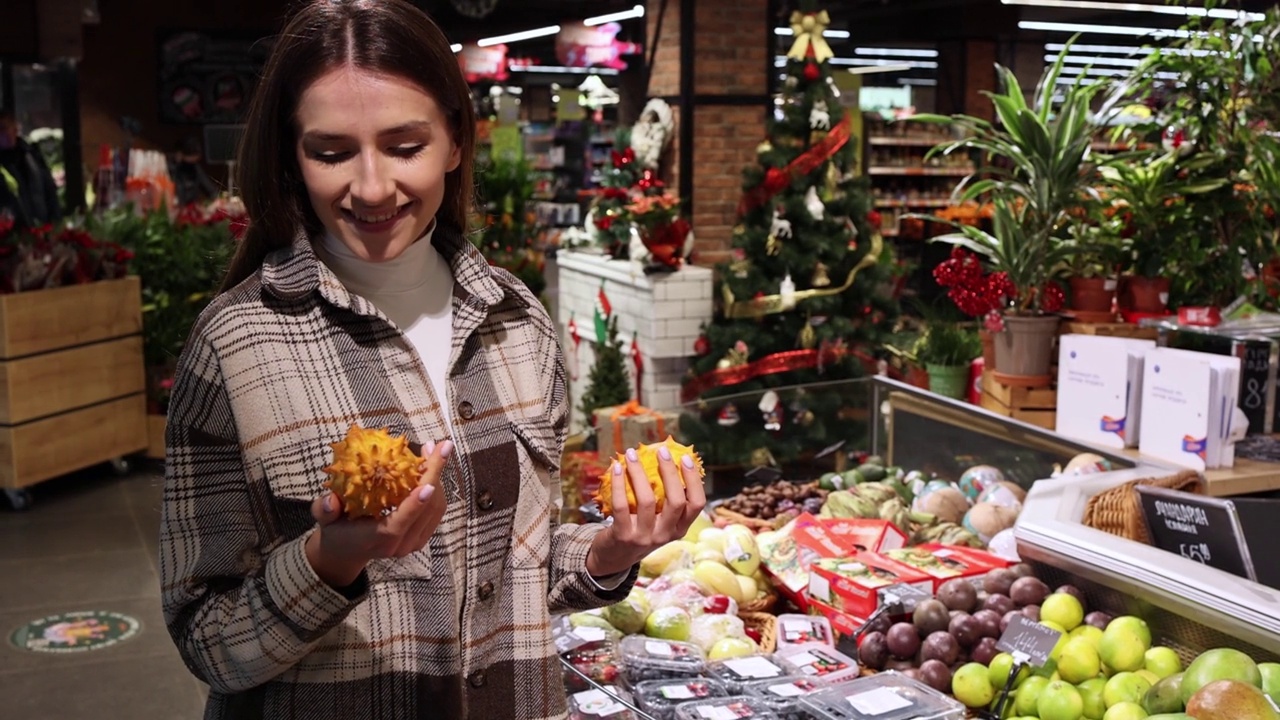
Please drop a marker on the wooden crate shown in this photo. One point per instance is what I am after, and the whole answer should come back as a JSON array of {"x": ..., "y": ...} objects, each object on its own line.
[
  {"x": 1124, "y": 330},
  {"x": 72, "y": 379},
  {"x": 1034, "y": 406},
  {"x": 155, "y": 436}
]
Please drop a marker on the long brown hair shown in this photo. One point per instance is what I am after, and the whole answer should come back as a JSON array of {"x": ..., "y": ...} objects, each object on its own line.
[{"x": 385, "y": 36}]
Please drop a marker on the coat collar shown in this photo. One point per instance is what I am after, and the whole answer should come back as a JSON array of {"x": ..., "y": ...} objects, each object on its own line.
[{"x": 293, "y": 272}]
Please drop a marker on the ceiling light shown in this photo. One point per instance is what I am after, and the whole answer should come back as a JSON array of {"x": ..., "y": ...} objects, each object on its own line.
[
  {"x": 516, "y": 37},
  {"x": 842, "y": 34},
  {"x": 563, "y": 69},
  {"x": 875, "y": 62},
  {"x": 1114, "y": 49},
  {"x": 900, "y": 67},
  {"x": 924, "y": 82},
  {"x": 456, "y": 47},
  {"x": 635, "y": 12},
  {"x": 897, "y": 52},
  {"x": 1089, "y": 60},
  {"x": 1101, "y": 29},
  {"x": 1141, "y": 7}
]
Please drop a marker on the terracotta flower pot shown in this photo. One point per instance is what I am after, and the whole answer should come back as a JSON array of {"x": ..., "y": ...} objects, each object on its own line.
[
  {"x": 1093, "y": 299},
  {"x": 1024, "y": 351},
  {"x": 1147, "y": 296}
]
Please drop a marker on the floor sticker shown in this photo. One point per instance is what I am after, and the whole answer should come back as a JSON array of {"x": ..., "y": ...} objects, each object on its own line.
[{"x": 75, "y": 632}]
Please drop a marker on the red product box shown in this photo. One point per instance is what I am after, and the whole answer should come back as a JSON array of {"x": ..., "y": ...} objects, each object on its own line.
[
  {"x": 812, "y": 534},
  {"x": 947, "y": 562},
  {"x": 852, "y": 585},
  {"x": 787, "y": 555},
  {"x": 860, "y": 535},
  {"x": 844, "y": 624}
]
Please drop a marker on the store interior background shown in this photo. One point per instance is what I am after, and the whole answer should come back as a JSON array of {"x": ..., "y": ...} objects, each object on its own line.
[{"x": 85, "y": 66}]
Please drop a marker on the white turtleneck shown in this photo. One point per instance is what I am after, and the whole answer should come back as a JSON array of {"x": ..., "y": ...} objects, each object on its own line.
[{"x": 414, "y": 290}]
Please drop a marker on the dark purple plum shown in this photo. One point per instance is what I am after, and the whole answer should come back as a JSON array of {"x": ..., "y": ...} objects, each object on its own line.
[{"x": 903, "y": 641}]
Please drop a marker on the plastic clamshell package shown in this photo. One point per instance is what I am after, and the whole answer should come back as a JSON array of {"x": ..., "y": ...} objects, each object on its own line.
[
  {"x": 598, "y": 704},
  {"x": 885, "y": 696},
  {"x": 821, "y": 662},
  {"x": 795, "y": 629},
  {"x": 599, "y": 660},
  {"x": 660, "y": 698},
  {"x": 783, "y": 694},
  {"x": 737, "y": 672},
  {"x": 727, "y": 708},
  {"x": 645, "y": 658}
]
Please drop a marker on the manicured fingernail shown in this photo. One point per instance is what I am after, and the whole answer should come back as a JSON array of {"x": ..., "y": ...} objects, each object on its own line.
[
  {"x": 426, "y": 492},
  {"x": 429, "y": 448},
  {"x": 664, "y": 453},
  {"x": 328, "y": 503},
  {"x": 617, "y": 469},
  {"x": 632, "y": 456},
  {"x": 687, "y": 461},
  {"x": 446, "y": 448}
]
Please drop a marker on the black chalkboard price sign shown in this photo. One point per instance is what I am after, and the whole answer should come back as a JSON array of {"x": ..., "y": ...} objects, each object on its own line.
[
  {"x": 1028, "y": 642},
  {"x": 1257, "y": 383},
  {"x": 1198, "y": 528}
]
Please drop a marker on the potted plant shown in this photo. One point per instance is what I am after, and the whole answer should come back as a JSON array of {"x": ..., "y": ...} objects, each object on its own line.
[
  {"x": 1093, "y": 249},
  {"x": 1038, "y": 166},
  {"x": 946, "y": 351}
]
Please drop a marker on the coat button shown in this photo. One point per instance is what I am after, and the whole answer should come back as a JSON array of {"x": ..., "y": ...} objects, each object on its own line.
[
  {"x": 476, "y": 679},
  {"x": 465, "y": 410},
  {"x": 486, "y": 591},
  {"x": 484, "y": 500}
]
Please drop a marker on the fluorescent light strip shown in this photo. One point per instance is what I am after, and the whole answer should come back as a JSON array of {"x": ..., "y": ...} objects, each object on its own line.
[
  {"x": 869, "y": 62},
  {"x": 456, "y": 47},
  {"x": 635, "y": 12},
  {"x": 517, "y": 37},
  {"x": 872, "y": 69},
  {"x": 1141, "y": 7},
  {"x": 1102, "y": 29},
  {"x": 563, "y": 69},
  {"x": 842, "y": 34},
  {"x": 896, "y": 52},
  {"x": 1087, "y": 60},
  {"x": 1114, "y": 72},
  {"x": 923, "y": 82},
  {"x": 1130, "y": 50}
]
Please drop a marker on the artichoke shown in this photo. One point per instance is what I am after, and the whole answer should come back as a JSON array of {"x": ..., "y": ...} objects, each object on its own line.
[{"x": 875, "y": 492}]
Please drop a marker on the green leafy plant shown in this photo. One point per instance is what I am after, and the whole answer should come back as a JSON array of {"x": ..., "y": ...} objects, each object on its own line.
[
  {"x": 511, "y": 228},
  {"x": 947, "y": 344}
]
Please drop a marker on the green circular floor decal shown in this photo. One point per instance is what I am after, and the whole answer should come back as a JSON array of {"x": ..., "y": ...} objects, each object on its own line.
[{"x": 75, "y": 632}]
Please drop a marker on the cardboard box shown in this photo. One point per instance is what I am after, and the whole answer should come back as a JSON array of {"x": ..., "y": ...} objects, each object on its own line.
[
  {"x": 859, "y": 535},
  {"x": 787, "y": 555},
  {"x": 946, "y": 562},
  {"x": 852, "y": 585},
  {"x": 844, "y": 624},
  {"x": 626, "y": 426}
]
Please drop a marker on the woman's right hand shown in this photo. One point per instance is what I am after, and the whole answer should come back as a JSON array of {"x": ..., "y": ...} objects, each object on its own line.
[{"x": 342, "y": 546}]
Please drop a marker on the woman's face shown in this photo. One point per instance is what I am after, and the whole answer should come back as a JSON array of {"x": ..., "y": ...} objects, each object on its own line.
[{"x": 373, "y": 150}]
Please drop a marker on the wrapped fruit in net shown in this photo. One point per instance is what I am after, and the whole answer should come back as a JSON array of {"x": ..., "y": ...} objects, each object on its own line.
[
  {"x": 649, "y": 461},
  {"x": 372, "y": 472}
]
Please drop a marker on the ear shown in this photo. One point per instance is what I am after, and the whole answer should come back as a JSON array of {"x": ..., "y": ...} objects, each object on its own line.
[{"x": 455, "y": 158}]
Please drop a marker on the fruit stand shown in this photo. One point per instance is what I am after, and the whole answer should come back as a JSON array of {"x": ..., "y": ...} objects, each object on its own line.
[{"x": 955, "y": 567}]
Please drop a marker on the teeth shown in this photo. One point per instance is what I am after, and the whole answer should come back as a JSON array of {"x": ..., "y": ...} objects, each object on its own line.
[{"x": 371, "y": 219}]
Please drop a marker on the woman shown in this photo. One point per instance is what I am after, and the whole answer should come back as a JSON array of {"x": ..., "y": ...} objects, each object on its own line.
[{"x": 355, "y": 298}]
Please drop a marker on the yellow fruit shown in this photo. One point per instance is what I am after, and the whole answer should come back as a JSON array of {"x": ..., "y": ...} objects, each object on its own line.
[
  {"x": 716, "y": 579},
  {"x": 649, "y": 461},
  {"x": 748, "y": 587},
  {"x": 372, "y": 472},
  {"x": 740, "y": 549},
  {"x": 657, "y": 562}
]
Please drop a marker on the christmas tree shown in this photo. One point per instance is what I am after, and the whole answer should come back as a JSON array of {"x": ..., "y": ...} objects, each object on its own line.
[
  {"x": 607, "y": 383},
  {"x": 809, "y": 295}
]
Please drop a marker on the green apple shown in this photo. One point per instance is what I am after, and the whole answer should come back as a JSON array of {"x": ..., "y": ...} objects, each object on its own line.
[
  {"x": 972, "y": 686},
  {"x": 1060, "y": 701},
  {"x": 1089, "y": 632},
  {"x": 1133, "y": 624},
  {"x": 1125, "y": 687},
  {"x": 999, "y": 669},
  {"x": 1027, "y": 699},
  {"x": 1270, "y": 680},
  {"x": 1078, "y": 660},
  {"x": 1162, "y": 661},
  {"x": 1219, "y": 664},
  {"x": 1063, "y": 609},
  {"x": 1125, "y": 711},
  {"x": 1124, "y": 644},
  {"x": 1091, "y": 693}
]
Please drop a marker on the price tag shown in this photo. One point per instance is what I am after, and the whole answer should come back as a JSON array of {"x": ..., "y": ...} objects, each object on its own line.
[
  {"x": 819, "y": 587},
  {"x": 597, "y": 702},
  {"x": 1029, "y": 639},
  {"x": 718, "y": 713},
  {"x": 878, "y": 702},
  {"x": 796, "y": 626},
  {"x": 676, "y": 692},
  {"x": 590, "y": 634},
  {"x": 1198, "y": 528},
  {"x": 786, "y": 690},
  {"x": 755, "y": 667},
  {"x": 804, "y": 660},
  {"x": 659, "y": 649}
]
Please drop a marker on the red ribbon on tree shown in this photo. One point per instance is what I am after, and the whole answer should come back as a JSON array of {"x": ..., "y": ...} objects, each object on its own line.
[
  {"x": 576, "y": 337},
  {"x": 771, "y": 365},
  {"x": 775, "y": 179}
]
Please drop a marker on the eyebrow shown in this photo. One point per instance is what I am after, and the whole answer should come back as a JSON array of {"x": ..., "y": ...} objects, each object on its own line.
[{"x": 411, "y": 126}]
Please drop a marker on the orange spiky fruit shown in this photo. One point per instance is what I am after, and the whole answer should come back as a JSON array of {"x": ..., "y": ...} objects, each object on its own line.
[
  {"x": 372, "y": 472},
  {"x": 649, "y": 461}
]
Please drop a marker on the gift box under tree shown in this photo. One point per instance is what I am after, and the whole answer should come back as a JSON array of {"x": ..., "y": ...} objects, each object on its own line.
[{"x": 631, "y": 425}]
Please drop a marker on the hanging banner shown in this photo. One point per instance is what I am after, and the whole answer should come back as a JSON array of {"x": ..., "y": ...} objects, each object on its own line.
[
  {"x": 483, "y": 63},
  {"x": 580, "y": 46}
]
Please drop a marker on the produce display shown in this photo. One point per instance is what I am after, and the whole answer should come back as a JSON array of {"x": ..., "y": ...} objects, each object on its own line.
[
  {"x": 782, "y": 695},
  {"x": 660, "y": 698},
  {"x": 735, "y": 673},
  {"x": 728, "y": 708}
]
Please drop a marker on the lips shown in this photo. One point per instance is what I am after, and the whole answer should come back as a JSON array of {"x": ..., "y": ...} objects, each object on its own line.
[{"x": 377, "y": 222}]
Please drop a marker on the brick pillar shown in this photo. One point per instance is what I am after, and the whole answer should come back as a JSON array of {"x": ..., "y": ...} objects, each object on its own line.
[
  {"x": 720, "y": 86},
  {"x": 965, "y": 69}
]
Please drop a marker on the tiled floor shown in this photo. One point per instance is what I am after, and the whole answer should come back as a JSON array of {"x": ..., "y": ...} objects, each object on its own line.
[{"x": 88, "y": 542}]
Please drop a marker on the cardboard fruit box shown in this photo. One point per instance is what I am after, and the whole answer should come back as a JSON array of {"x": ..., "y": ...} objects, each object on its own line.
[
  {"x": 852, "y": 585},
  {"x": 947, "y": 562},
  {"x": 861, "y": 535}
]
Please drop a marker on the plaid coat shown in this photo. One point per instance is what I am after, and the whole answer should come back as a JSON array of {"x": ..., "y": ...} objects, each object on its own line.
[{"x": 274, "y": 371}]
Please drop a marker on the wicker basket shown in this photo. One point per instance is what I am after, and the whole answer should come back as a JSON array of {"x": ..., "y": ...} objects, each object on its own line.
[
  {"x": 756, "y": 524},
  {"x": 1118, "y": 511},
  {"x": 765, "y": 604},
  {"x": 765, "y": 624}
]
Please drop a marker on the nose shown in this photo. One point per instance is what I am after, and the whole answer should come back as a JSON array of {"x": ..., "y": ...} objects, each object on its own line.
[{"x": 373, "y": 185}]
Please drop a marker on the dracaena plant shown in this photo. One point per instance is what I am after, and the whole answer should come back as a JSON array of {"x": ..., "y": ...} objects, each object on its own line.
[{"x": 1037, "y": 164}]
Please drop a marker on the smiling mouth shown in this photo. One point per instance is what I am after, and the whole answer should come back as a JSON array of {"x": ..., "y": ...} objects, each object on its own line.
[{"x": 380, "y": 218}]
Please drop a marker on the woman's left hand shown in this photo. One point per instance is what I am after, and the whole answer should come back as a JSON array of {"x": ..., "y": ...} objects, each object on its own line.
[{"x": 634, "y": 535}]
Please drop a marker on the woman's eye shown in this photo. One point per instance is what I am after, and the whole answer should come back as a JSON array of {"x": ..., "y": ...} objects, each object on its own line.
[
  {"x": 330, "y": 157},
  {"x": 407, "y": 151}
]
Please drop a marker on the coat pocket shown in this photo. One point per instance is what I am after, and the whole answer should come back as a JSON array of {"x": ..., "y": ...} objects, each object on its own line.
[{"x": 539, "y": 493}]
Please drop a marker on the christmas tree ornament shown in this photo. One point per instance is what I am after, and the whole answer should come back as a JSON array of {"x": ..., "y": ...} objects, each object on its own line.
[
  {"x": 772, "y": 245},
  {"x": 372, "y": 472},
  {"x": 728, "y": 415},
  {"x": 813, "y": 204},
  {"x": 819, "y": 116},
  {"x": 770, "y": 407},
  {"x": 808, "y": 338},
  {"x": 791, "y": 82},
  {"x": 740, "y": 266},
  {"x": 820, "y": 276},
  {"x": 779, "y": 225},
  {"x": 809, "y": 29},
  {"x": 735, "y": 357},
  {"x": 805, "y": 417},
  {"x": 576, "y": 337},
  {"x": 764, "y": 148},
  {"x": 811, "y": 72},
  {"x": 701, "y": 346},
  {"x": 787, "y": 289},
  {"x": 761, "y": 457},
  {"x": 831, "y": 184}
]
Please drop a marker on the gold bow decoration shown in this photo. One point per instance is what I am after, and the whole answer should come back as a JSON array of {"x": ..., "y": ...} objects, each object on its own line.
[
  {"x": 770, "y": 304},
  {"x": 808, "y": 29}
]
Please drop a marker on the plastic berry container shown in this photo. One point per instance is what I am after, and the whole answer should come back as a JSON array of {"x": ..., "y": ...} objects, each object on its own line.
[
  {"x": 796, "y": 630},
  {"x": 660, "y": 698},
  {"x": 727, "y": 708},
  {"x": 648, "y": 659},
  {"x": 597, "y": 704},
  {"x": 885, "y": 696},
  {"x": 597, "y": 660},
  {"x": 782, "y": 695},
  {"x": 737, "y": 672},
  {"x": 820, "y": 662}
]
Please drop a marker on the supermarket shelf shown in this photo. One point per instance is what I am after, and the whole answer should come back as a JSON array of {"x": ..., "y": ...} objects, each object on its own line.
[
  {"x": 891, "y": 141},
  {"x": 914, "y": 203},
  {"x": 921, "y": 171}
]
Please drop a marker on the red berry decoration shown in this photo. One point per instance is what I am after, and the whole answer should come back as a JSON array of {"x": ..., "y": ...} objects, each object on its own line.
[
  {"x": 811, "y": 71},
  {"x": 702, "y": 345},
  {"x": 1053, "y": 298}
]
